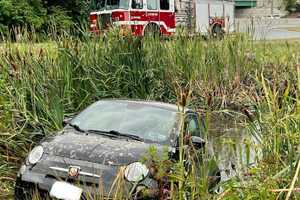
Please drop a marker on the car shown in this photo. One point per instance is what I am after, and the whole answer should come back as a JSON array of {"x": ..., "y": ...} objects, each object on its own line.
[{"x": 95, "y": 144}]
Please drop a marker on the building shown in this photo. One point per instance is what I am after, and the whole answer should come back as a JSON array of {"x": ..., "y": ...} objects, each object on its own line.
[
  {"x": 244, "y": 8},
  {"x": 245, "y": 3},
  {"x": 259, "y": 8},
  {"x": 258, "y": 3}
]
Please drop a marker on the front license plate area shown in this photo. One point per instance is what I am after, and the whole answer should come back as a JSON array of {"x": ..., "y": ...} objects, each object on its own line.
[{"x": 66, "y": 191}]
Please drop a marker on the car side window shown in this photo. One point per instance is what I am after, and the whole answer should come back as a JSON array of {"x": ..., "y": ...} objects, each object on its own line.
[
  {"x": 164, "y": 4},
  {"x": 193, "y": 125},
  {"x": 137, "y": 4},
  {"x": 152, "y": 4}
]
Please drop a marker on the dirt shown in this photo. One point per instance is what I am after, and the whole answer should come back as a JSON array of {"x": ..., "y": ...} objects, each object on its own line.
[{"x": 294, "y": 15}]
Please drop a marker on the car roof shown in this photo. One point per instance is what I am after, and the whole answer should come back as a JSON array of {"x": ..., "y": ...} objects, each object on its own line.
[{"x": 162, "y": 105}]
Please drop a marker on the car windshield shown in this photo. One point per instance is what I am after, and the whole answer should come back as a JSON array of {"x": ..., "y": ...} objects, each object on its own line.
[
  {"x": 109, "y": 4},
  {"x": 147, "y": 121}
]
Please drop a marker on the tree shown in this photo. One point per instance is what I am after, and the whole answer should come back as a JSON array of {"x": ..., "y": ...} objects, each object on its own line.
[
  {"x": 290, "y": 4},
  {"x": 22, "y": 13},
  {"x": 58, "y": 20},
  {"x": 77, "y": 9},
  {"x": 42, "y": 14}
]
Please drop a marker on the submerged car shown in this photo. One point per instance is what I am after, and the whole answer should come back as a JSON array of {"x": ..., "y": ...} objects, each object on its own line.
[{"x": 92, "y": 147}]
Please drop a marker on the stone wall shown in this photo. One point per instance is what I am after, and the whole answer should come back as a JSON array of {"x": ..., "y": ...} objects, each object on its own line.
[
  {"x": 268, "y": 3},
  {"x": 185, "y": 12}
]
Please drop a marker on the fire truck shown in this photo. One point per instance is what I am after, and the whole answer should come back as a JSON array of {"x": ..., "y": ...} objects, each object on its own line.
[{"x": 141, "y": 17}]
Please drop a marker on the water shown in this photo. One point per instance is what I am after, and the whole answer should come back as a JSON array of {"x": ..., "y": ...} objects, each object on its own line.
[{"x": 234, "y": 146}]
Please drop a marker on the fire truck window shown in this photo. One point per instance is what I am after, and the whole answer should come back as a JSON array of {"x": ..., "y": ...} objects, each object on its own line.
[
  {"x": 164, "y": 4},
  {"x": 115, "y": 4},
  {"x": 152, "y": 4},
  {"x": 124, "y": 4},
  {"x": 137, "y": 4}
]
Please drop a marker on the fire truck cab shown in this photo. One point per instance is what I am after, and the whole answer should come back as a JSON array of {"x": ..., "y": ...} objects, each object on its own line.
[{"x": 138, "y": 16}]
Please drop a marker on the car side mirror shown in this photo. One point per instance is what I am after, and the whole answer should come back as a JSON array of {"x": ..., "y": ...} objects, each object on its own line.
[
  {"x": 197, "y": 142},
  {"x": 66, "y": 121}
]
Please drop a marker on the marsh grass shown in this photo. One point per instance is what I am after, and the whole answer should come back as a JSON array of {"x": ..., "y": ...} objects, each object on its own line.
[{"x": 41, "y": 83}]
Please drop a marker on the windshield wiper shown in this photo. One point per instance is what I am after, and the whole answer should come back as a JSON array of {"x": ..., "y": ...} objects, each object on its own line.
[
  {"x": 131, "y": 136},
  {"x": 105, "y": 133},
  {"x": 117, "y": 134},
  {"x": 76, "y": 127}
]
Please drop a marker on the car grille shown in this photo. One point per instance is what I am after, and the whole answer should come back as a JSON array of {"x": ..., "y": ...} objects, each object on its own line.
[{"x": 92, "y": 175}]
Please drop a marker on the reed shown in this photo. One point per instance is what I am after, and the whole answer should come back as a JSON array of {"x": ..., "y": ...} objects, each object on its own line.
[{"x": 41, "y": 83}]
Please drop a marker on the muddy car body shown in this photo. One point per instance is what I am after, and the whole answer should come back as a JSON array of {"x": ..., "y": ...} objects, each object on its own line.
[{"x": 93, "y": 146}]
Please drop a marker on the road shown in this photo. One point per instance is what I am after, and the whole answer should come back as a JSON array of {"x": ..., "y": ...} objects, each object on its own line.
[
  {"x": 275, "y": 33},
  {"x": 269, "y": 29}
]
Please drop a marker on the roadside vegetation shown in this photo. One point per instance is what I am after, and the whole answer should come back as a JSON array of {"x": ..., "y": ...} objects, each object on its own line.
[{"x": 258, "y": 82}]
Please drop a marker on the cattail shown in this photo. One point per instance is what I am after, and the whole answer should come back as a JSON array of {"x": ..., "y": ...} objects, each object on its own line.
[
  {"x": 11, "y": 58},
  {"x": 248, "y": 114},
  {"x": 14, "y": 66},
  {"x": 76, "y": 48},
  {"x": 209, "y": 100},
  {"x": 18, "y": 54},
  {"x": 183, "y": 96},
  {"x": 41, "y": 53}
]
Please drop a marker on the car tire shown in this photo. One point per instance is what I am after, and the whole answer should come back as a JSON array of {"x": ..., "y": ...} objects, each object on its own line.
[
  {"x": 27, "y": 191},
  {"x": 23, "y": 190}
]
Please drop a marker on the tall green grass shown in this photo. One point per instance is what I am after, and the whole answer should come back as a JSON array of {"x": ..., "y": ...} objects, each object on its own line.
[{"x": 41, "y": 83}]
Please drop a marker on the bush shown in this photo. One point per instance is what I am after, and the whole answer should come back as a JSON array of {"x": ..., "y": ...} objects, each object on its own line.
[
  {"x": 58, "y": 21},
  {"x": 21, "y": 13},
  {"x": 290, "y": 5}
]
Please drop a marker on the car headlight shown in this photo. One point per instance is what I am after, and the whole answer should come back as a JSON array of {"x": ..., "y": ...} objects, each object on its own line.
[
  {"x": 35, "y": 155},
  {"x": 136, "y": 172}
]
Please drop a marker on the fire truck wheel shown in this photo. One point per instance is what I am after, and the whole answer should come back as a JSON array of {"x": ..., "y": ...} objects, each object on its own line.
[
  {"x": 217, "y": 31},
  {"x": 152, "y": 30}
]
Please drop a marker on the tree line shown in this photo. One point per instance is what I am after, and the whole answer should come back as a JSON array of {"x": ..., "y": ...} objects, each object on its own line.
[
  {"x": 41, "y": 14},
  {"x": 60, "y": 14}
]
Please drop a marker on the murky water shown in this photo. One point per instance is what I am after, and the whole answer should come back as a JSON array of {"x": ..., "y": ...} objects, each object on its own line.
[{"x": 234, "y": 146}]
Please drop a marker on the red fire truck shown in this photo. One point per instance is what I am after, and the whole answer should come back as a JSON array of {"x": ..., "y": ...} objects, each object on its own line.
[
  {"x": 138, "y": 16},
  {"x": 141, "y": 17}
]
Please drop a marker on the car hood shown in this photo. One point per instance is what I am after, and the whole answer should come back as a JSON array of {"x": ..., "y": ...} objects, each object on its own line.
[{"x": 96, "y": 148}]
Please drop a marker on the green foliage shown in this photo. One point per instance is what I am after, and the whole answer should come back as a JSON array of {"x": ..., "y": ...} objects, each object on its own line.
[
  {"x": 58, "y": 20},
  {"x": 15, "y": 15},
  {"x": 290, "y": 4},
  {"x": 21, "y": 13},
  {"x": 40, "y": 84},
  {"x": 78, "y": 10}
]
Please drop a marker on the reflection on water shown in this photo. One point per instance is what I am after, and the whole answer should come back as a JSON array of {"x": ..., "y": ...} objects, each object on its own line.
[{"x": 234, "y": 146}]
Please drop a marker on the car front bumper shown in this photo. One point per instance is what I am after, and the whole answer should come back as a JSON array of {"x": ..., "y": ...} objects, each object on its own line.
[{"x": 30, "y": 183}]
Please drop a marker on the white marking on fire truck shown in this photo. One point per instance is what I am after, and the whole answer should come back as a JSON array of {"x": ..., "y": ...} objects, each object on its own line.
[
  {"x": 144, "y": 23},
  {"x": 152, "y": 14},
  {"x": 122, "y": 10},
  {"x": 135, "y": 17},
  {"x": 107, "y": 11}
]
